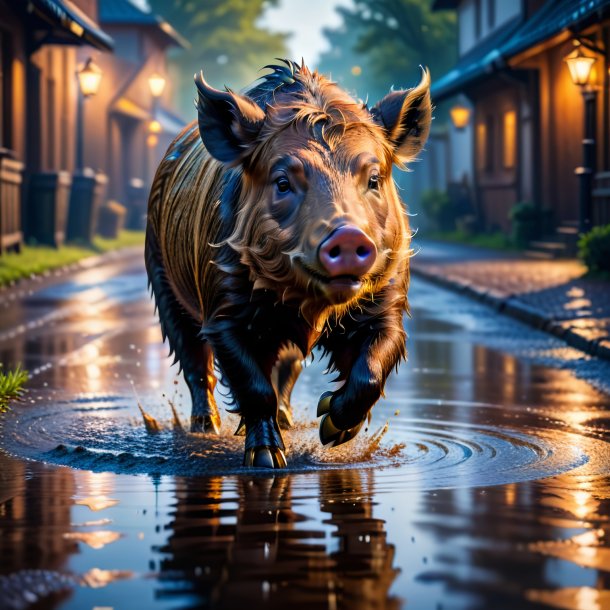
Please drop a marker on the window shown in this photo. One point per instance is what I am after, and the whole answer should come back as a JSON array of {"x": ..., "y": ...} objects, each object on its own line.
[
  {"x": 485, "y": 144},
  {"x": 5, "y": 89},
  {"x": 478, "y": 19},
  {"x": 509, "y": 139},
  {"x": 491, "y": 14}
]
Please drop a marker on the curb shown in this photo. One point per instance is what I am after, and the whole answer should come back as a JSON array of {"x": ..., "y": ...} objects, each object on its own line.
[{"x": 517, "y": 309}]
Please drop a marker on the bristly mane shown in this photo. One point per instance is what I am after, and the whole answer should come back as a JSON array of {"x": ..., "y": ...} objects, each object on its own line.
[{"x": 282, "y": 77}]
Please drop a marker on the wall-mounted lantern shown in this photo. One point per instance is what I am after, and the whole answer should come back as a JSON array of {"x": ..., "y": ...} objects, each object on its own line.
[
  {"x": 580, "y": 64},
  {"x": 89, "y": 78},
  {"x": 460, "y": 116},
  {"x": 156, "y": 84}
]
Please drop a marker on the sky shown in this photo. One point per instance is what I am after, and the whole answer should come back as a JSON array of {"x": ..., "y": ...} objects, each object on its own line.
[{"x": 304, "y": 19}]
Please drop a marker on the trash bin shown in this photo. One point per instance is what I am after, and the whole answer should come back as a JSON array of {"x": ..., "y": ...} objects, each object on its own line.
[
  {"x": 87, "y": 194},
  {"x": 111, "y": 219},
  {"x": 137, "y": 202},
  {"x": 45, "y": 215}
]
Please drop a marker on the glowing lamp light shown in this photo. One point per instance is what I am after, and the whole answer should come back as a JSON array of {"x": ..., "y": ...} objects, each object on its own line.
[
  {"x": 155, "y": 127},
  {"x": 579, "y": 65},
  {"x": 356, "y": 70},
  {"x": 156, "y": 83},
  {"x": 89, "y": 77},
  {"x": 460, "y": 116},
  {"x": 152, "y": 140}
]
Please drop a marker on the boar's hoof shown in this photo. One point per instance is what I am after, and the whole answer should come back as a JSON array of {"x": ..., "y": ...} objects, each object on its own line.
[
  {"x": 264, "y": 444},
  {"x": 265, "y": 457},
  {"x": 324, "y": 403},
  {"x": 205, "y": 423},
  {"x": 331, "y": 436},
  {"x": 284, "y": 417}
]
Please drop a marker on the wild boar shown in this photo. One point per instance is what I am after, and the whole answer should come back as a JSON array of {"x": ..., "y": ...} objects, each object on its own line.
[{"x": 274, "y": 226}]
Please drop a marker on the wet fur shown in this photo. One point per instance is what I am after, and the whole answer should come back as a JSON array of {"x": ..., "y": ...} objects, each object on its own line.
[{"x": 222, "y": 266}]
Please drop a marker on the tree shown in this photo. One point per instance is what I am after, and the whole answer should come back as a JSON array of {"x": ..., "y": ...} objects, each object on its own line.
[
  {"x": 388, "y": 40},
  {"x": 226, "y": 42}
]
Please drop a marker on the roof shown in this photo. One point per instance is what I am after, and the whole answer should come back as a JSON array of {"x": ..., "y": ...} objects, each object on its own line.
[
  {"x": 475, "y": 65},
  {"x": 491, "y": 55},
  {"x": 124, "y": 12},
  {"x": 65, "y": 23},
  {"x": 555, "y": 17}
]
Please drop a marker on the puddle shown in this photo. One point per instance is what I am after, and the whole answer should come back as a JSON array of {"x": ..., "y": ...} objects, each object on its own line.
[{"x": 489, "y": 489}]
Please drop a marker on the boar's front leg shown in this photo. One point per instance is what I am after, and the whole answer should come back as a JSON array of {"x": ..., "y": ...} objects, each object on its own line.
[
  {"x": 245, "y": 362},
  {"x": 364, "y": 349}
]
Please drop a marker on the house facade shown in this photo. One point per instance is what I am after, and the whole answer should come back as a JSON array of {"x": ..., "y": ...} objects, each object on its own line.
[
  {"x": 528, "y": 118},
  {"x": 56, "y": 147}
]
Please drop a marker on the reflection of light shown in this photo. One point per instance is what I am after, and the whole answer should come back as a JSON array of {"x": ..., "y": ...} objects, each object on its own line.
[
  {"x": 96, "y": 503},
  {"x": 96, "y": 578},
  {"x": 96, "y": 540},
  {"x": 574, "y": 598},
  {"x": 510, "y": 494}
]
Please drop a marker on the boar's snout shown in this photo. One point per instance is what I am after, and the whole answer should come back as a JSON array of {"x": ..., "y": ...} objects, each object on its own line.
[{"x": 347, "y": 251}]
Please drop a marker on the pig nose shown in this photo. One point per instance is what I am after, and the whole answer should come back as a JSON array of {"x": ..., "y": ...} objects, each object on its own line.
[{"x": 347, "y": 251}]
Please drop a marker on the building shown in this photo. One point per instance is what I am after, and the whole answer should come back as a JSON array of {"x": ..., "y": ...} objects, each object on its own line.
[
  {"x": 528, "y": 118},
  {"x": 38, "y": 99},
  {"x": 62, "y": 152},
  {"x": 137, "y": 126}
]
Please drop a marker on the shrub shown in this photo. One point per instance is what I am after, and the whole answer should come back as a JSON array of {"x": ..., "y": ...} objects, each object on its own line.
[
  {"x": 594, "y": 249},
  {"x": 525, "y": 220},
  {"x": 437, "y": 206}
]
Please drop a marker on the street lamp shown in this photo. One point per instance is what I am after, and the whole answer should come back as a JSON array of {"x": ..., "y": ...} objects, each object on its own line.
[
  {"x": 579, "y": 65},
  {"x": 460, "y": 116},
  {"x": 89, "y": 77},
  {"x": 156, "y": 83}
]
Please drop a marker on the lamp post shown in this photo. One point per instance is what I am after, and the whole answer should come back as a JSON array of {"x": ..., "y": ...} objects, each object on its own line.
[
  {"x": 579, "y": 65},
  {"x": 156, "y": 84},
  {"x": 89, "y": 77}
]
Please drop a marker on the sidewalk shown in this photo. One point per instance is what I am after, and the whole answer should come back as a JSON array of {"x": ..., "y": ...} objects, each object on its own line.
[{"x": 550, "y": 295}]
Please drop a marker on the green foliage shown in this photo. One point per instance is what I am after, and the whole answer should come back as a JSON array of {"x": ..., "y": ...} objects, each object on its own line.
[
  {"x": 525, "y": 219},
  {"x": 524, "y": 210},
  {"x": 594, "y": 250},
  {"x": 34, "y": 260},
  {"x": 227, "y": 42},
  {"x": 437, "y": 206},
  {"x": 389, "y": 39},
  {"x": 11, "y": 385},
  {"x": 493, "y": 241}
]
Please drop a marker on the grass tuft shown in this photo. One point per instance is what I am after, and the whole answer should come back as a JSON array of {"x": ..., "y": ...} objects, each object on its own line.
[{"x": 11, "y": 386}]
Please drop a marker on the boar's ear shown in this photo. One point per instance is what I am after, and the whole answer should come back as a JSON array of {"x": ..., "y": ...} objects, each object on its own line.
[
  {"x": 228, "y": 122},
  {"x": 406, "y": 116}
]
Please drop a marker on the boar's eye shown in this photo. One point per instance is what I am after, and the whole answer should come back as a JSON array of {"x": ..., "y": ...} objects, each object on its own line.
[
  {"x": 374, "y": 182},
  {"x": 282, "y": 184}
]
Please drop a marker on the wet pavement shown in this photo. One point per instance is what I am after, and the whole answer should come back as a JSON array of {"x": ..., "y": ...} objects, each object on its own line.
[
  {"x": 490, "y": 487},
  {"x": 554, "y": 295}
]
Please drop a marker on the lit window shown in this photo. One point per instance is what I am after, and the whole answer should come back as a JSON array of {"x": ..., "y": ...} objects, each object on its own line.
[
  {"x": 481, "y": 146},
  {"x": 509, "y": 151}
]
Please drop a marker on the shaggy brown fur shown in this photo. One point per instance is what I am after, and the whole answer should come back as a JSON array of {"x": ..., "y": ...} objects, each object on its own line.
[{"x": 230, "y": 253}]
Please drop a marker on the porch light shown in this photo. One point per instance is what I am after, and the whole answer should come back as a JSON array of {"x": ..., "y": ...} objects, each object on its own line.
[
  {"x": 156, "y": 83},
  {"x": 155, "y": 127},
  {"x": 580, "y": 66},
  {"x": 460, "y": 116},
  {"x": 89, "y": 77}
]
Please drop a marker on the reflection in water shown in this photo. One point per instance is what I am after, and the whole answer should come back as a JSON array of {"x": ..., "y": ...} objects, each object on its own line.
[
  {"x": 423, "y": 535},
  {"x": 264, "y": 552}
]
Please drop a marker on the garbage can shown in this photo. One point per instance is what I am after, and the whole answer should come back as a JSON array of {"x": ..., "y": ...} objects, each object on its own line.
[
  {"x": 137, "y": 202},
  {"x": 45, "y": 215},
  {"x": 111, "y": 219},
  {"x": 87, "y": 194}
]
